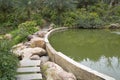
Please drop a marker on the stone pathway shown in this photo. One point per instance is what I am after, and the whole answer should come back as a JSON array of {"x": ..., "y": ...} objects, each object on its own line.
[
  {"x": 29, "y": 70},
  {"x": 33, "y": 56}
]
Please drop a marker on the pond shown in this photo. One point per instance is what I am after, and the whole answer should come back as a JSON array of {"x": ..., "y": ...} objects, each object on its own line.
[{"x": 97, "y": 49}]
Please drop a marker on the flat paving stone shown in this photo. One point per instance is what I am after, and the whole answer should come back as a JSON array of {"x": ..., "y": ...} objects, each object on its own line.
[
  {"x": 37, "y": 76},
  {"x": 28, "y": 69},
  {"x": 25, "y": 63}
]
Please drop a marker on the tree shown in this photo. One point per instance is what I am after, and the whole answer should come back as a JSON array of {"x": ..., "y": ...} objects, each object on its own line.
[
  {"x": 6, "y": 7},
  {"x": 85, "y": 3},
  {"x": 59, "y": 6},
  {"x": 27, "y": 6}
]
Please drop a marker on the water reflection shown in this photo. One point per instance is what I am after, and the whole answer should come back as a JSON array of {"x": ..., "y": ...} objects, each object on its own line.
[
  {"x": 106, "y": 65},
  {"x": 98, "y": 49}
]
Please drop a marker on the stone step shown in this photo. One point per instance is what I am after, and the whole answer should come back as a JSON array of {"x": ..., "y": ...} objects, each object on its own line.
[
  {"x": 37, "y": 76},
  {"x": 25, "y": 63},
  {"x": 28, "y": 69}
]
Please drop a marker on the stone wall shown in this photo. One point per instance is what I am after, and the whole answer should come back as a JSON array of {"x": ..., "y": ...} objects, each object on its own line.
[{"x": 80, "y": 71}]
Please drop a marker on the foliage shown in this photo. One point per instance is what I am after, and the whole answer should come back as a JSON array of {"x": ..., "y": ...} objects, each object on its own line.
[
  {"x": 5, "y": 45},
  {"x": 69, "y": 19},
  {"x": 24, "y": 29},
  {"x": 8, "y": 61},
  {"x": 27, "y": 6},
  {"x": 15, "y": 12},
  {"x": 82, "y": 19},
  {"x": 58, "y": 7},
  {"x": 38, "y": 19},
  {"x": 8, "y": 66},
  {"x": 6, "y": 7},
  {"x": 89, "y": 20},
  {"x": 107, "y": 14},
  {"x": 85, "y": 3},
  {"x": 28, "y": 27}
]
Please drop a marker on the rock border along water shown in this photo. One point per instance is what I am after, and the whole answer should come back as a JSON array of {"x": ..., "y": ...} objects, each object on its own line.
[
  {"x": 34, "y": 62},
  {"x": 80, "y": 71}
]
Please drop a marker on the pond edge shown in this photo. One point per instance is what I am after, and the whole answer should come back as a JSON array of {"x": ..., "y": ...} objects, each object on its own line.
[{"x": 80, "y": 71}]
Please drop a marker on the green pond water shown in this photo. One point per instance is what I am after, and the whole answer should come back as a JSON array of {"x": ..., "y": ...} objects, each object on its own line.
[{"x": 97, "y": 49}]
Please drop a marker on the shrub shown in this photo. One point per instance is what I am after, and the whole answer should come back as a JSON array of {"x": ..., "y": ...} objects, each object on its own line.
[
  {"x": 107, "y": 14},
  {"x": 8, "y": 61},
  {"x": 5, "y": 45},
  {"x": 82, "y": 19},
  {"x": 38, "y": 19},
  {"x": 28, "y": 27},
  {"x": 24, "y": 29},
  {"x": 69, "y": 19},
  {"x": 8, "y": 66},
  {"x": 89, "y": 20}
]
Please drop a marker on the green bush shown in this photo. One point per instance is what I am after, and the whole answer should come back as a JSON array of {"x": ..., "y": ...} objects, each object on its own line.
[
  {"x": 69, "y": 19},
  {"x": 8, "y": 61},
  {"x": 107, "y": 14},
  {"x": 82, "y": 19},
  {"x": 29, "y": 27},
  {"x": 5, "y": 45},
  {"x": 38, "y": 19},
  {"x": 8, "y": 66},
  {"x": 89, "y": 20}
]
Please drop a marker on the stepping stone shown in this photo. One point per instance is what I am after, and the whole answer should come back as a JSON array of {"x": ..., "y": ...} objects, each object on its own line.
[
  {"x": 25, "y": 63},
  {"x": 28, "y": 69},
  {"x": 29, "y": 76}
]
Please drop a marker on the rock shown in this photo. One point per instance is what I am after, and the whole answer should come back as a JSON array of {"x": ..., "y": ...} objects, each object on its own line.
[
  {"x": 31, "y": 37},
  {"x": 114, "y": 26},
  {"x": 28, "y": 44},
  {"x": 55, "y": 72},
  {"x": 41, "y": 34},
  {"x": 51, "y": 26},
  {"x": 44, "y": 59},
  {"x": 35, "y": 57},
  {"x": 8, "y": 36},
  {"x": 38, "y": 51},
  {"x": 67, "y": 76},
  {"x": 37, "y": 42},
  {"x": 28, "y": 52},
  {"x": 17, "y": 49}
]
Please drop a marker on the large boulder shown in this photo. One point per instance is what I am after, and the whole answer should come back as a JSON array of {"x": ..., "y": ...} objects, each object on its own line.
[
  {"x": 17, "y": 49},
  {"x": 55, "y": 72},
  {"x": 114, "y": 26},
  {"x": 37, "y": 42},
  {"x": 38, "y": 51},
  {"x": 28, "y": 52}
]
